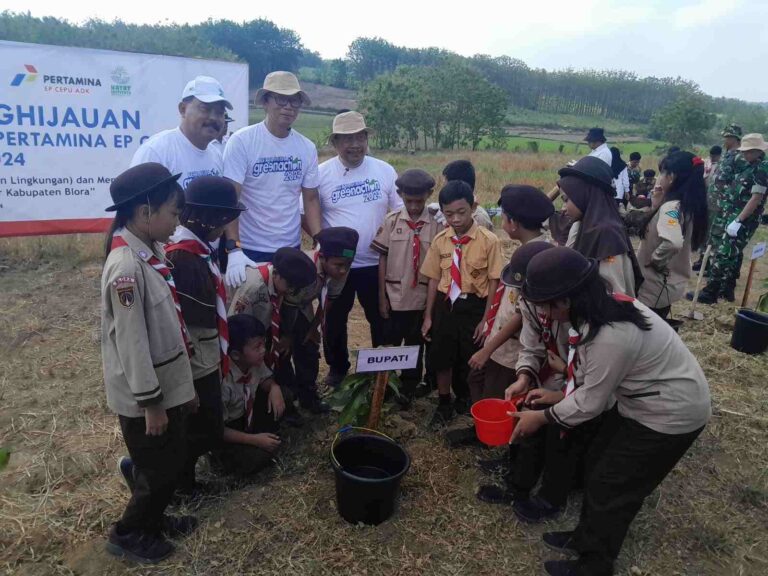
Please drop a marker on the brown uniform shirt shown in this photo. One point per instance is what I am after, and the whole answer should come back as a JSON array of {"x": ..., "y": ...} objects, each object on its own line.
[
  {"x": 233, "y": 393},
  {"x": 304, "y": 298},
  {"x": 481, "y": 261},
  {"x": 395, "y": 241},
  {"x": 253, "y": 296}
]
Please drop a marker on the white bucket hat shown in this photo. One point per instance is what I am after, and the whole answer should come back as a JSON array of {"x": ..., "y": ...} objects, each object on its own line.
[
  {"x": 753, "y": 141},
  {"x": 284, "y": 83},
  {"x": 205, "y": 89}
]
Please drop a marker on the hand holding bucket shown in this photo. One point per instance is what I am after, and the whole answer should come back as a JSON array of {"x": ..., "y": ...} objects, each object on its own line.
[{"x": 493, "y": 422}]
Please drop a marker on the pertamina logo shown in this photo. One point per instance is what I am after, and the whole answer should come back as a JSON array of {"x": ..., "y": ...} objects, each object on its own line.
[{"x": 30, "y": 76}]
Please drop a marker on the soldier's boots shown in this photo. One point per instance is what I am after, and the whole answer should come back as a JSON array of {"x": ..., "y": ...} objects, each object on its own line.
[
  {"x": 709, "y": 295},
  {"x": 728, "y": 293}
]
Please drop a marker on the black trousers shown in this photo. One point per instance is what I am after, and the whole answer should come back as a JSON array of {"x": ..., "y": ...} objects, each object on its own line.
[
  {"x": 363, "y": 282},
  {"x": 158, "y": 461},
  {"x": 205, "y": 427},
  {"x": 298, "y": 371},
  {"x": 625, "y": 463},
  {"x": 241, "y": 459},
  {"x": 403, "y": 328}
]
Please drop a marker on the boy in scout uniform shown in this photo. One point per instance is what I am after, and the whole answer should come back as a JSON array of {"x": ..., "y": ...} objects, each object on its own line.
[
  {"x": 211, "y": 203},
  {"x": 252, "y": 402},
  {"x": 402, "y": 243},
  {"x": 263, "y": 295},
  {"x": 463, "y": 266}
]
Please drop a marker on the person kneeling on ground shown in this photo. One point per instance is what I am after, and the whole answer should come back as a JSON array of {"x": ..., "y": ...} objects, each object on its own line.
[{"x": 253, "y": 402}]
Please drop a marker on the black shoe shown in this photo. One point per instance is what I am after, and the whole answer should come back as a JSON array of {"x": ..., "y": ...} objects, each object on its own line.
[
  {"x": 423, "y": 389},
  {"x": 462, "y": 405},
  {"x": 334, "y": 378},
  {"x": 444, "y": 413},
  {"x": 495, "y": 465},
  {"x": 561, "y": 567},
  {"x": 560, "y": 542},
  {"x": 493, "y": 494},
  {"x": 127, "y": 471},
  {"x": 462, "y": 437},
  {"x": 317, "y": 406},
  {"x": 178, "y": 526},
  {"x": 728, "y": 294},
  {"x": 708, "y": 295},
  {"x": 138, "y": 546},
  {"x": 697, "y": 265},
  {"x": 535, "y": 510}
]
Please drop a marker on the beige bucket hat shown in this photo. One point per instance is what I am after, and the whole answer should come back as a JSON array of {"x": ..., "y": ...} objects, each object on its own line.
[
  {"x": 753, "y": 141},
  {"x": 285, "y": 83},
  {"x": 349, "y": 123}
]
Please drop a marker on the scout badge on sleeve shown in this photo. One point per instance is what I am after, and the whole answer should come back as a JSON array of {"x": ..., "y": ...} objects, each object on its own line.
[{"x": 124, "y": 286}]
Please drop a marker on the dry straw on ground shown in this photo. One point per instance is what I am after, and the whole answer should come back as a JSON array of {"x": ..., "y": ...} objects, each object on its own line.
[{"x": 61, "y": 491}]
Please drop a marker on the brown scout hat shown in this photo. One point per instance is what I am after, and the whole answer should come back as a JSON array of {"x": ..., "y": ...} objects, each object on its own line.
[{"x": 556, "y": 273}]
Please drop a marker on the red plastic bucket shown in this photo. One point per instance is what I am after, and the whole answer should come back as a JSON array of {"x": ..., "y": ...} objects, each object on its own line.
[{"x": 492, "y": 424}]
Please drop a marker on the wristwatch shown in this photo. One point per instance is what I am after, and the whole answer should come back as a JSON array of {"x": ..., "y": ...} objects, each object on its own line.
[{"x": 232, "y": 245}]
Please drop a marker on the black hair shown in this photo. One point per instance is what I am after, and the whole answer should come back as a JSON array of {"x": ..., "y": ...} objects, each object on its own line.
[
  {"x": 155, "y": 198},
  {"x": 650, "y": 173},
  {"x": 635, "y": 156},
  {"x": 456, "y": 190},
  {"x": 690, "y": 189},
  {"x": 593, "y": 304},
  {"x": 243, "y": 327},
  {"x": 716, "y": 150},
  {"x": 460, "y": 170},
  {"x": 527, "y": 223},
  {"x": 673, "y": 149}
]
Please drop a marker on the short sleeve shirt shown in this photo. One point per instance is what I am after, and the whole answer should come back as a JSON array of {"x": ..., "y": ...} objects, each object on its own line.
[
  {"x": 272, "y": 171},
  {"x": 172, "y": 149},
  {"x": 394, "y": 239},
  {"x": 237, "y": 387},
  {"x": 254, "y": 297},
  {"x": 304, "y": 298},
  {"x": 481, "y": 261},
  {"x": 358, "y": 198}
]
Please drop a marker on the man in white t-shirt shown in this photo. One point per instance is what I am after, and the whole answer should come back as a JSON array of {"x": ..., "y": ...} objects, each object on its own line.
[
  {"x": 191, "y": 148},
  {"x": 273, "y": 167},
  {"x": 356, "y": 191},
  {"x": 596, "y": 141}
]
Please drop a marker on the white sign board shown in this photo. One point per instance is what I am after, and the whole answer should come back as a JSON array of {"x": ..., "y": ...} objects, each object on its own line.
[
  {"x": 758, "y": 251},
  {"x": 383, "y": 359},
  {"x": 71, "y": 119}
]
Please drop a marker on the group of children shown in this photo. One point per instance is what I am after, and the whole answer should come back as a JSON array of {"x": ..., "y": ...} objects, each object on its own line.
[{"x": 192, "y": 370}]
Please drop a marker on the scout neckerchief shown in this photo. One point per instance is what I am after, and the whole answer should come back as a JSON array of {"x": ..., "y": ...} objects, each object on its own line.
[
  {"x": 455, "y": 289},
  {"x": 416, "y": 248},
  {"x": 162, "y": 269},
  {"x": 494, "y": 309},
  {"x": 274, "y": 356},
  {"x": 184, "y": 239},
  {"x": 247, "y": 399}
]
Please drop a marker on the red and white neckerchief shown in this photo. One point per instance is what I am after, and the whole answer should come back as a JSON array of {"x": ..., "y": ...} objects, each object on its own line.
[
  {"x": 273, "y": 358},
  {"x": 162, "y": 269},
  {"x": 550, "y": 343},
  {"x": 247, "y": 398},
  {"x": 489, "y": 322},
  {"x": 184, "y": 239},
  {"x": 573, "y": 359},
  {"x": 455, "y": 290},
  {"x": 416, "y": 248}
]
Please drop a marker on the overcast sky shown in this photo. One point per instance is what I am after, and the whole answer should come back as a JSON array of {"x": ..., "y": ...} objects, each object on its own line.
[{"x": 720, "y": 44}]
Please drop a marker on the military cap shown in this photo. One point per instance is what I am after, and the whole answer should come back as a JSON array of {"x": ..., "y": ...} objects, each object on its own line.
[
  {"x": 338, "y": 241},
  {"x": 732, "y": 131},
  {"x": 415, "y": 181},
  {"x": 213, "y": 192},
  {"x": 525, "y": 203},
  {"x": 595, "y": 135},
  {"x": 557, "y": 273},
  {"x": 296, "y": 267},
  {"x": 137, "y": 181},
  {"x": 593, "y": 170},
  {"x": 513, "y": 273}
]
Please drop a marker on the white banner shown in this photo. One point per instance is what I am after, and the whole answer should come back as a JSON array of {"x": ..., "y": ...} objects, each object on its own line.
[
  {"x": 71, "y": 119},
  {"x": 383, "y": 359}
]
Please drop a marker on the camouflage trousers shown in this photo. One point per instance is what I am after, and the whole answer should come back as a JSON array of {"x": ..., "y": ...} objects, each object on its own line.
[
  {"x": 729, "y": 255},
  {"x": 717, "y": 225}
]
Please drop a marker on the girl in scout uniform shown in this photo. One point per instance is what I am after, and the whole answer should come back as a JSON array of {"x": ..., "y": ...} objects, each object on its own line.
[
  {"x": 678, "y": 225},
  {"x": 145, "y": 353},
  {"x": 619, "y": 348},
  {"x": 211, "y": 203}
]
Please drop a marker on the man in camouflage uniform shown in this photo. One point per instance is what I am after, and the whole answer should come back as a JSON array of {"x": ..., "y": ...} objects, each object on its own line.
[
  {"x": 721, "y": 178},
  {"x": 741, "y": 205}
]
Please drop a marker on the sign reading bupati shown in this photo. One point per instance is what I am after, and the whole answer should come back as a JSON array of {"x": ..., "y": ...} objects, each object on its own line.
[
  {"x": 72, "y": 118},
  {"x": 758, "y": 251},
  {"x": 383, "y": 359}
]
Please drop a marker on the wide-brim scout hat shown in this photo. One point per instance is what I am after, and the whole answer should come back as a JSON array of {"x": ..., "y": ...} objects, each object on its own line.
[
  {"x": 338, "y": 242},
  {"x": 284, "y": 83},
  {"x": 526, "y": 203},
  {"x": 557, "y": 273},
  {"x": 513, "y": 273},
  {"x": 206, "y": 89},
  {"x": 415, "y": 180},
  {"x": 732, "y": 131},
  {"x": 296, "y": 267},
  {"x": 591, "y": 169},
  {"x": 753, "y": 141},
  {"x": 213, "y": 192},
  {"x": 137, "y": 181},
  {"x": 595, "y": 135}
]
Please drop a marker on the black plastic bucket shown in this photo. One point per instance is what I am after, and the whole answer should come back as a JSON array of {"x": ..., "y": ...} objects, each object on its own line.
[
  {"x": 750, "y": 332},
  {"x": 369, "y": 467}
]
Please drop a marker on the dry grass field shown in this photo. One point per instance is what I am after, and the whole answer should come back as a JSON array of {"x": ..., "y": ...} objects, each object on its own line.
[{"x": 61, "y": 490}]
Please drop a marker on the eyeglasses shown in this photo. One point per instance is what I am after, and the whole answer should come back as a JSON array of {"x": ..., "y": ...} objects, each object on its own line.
[{"x": 294, "y": 102}]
